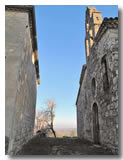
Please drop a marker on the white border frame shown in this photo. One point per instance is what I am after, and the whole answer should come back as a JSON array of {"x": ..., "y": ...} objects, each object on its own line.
[{"x": 2, "y": 64}]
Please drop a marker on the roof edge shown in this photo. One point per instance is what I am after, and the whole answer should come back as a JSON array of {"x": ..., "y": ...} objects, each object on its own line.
[
  {"x": 31, "y": 10},
  {"x": 81, "y": 80},
  {"x": 106, "y": 24}
]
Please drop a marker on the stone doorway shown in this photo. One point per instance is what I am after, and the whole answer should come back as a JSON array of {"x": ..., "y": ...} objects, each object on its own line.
[{"x": 95, "y": 124}]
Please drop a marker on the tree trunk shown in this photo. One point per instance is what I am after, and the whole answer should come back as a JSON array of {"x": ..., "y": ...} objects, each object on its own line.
[{"x": 53, "y": 130}]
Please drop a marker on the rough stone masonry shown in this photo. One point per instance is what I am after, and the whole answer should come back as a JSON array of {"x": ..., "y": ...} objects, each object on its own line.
[
  {"x": 21, "y": 75},
  {"x": 97, "y": 100}
]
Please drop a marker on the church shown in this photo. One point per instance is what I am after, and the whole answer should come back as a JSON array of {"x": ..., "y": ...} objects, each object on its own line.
[{"x": 97, "y": 100}]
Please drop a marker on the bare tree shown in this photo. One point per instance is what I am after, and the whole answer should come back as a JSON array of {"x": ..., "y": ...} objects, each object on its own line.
[
  {"x": 40, "y": 120},
  {"x": 45, "y": 117},
  {"x": 51, "y": 114}
]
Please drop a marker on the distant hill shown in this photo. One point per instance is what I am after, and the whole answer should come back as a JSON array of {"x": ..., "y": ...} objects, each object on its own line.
[
  {"x": 60, "y": 132},
  {"x": 70, "y": 132}
]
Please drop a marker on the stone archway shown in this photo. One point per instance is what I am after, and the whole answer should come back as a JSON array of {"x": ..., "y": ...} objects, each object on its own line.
[{"x": 96, "y": 136}]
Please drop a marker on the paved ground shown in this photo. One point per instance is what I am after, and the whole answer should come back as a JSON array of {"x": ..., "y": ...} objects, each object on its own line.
[{"x": 61, "y": 146}]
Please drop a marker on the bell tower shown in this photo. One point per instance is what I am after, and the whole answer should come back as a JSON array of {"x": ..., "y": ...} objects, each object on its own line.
[{"x": 93, "y": 22}]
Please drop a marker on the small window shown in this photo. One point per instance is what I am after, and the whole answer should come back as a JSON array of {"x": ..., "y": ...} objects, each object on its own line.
[
  {"x": 105, "y": 74},
  {"x": 97, "y": 18},
  {"x": 93, "y": 86}
]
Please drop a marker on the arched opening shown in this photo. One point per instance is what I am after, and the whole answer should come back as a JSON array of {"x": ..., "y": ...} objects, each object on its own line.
[{"x": 95, "y": 124}]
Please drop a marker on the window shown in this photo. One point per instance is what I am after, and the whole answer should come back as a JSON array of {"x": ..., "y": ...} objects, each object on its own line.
[
  {"x": 105, "y": 74},
  {"x": 93, "y": 86},
  {"x": 97, "y": 18}
]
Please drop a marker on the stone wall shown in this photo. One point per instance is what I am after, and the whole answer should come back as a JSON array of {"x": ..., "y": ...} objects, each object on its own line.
[
  {"x": 20, "y": 80},
  {"x": 100, "y": 88}
]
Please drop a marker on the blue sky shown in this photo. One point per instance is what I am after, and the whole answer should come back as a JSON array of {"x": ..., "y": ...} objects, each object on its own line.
[{"x": 61, "y": 49}]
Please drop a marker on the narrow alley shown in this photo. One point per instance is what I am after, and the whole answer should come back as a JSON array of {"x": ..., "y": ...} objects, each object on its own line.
[{"x": 62, "y": 146}]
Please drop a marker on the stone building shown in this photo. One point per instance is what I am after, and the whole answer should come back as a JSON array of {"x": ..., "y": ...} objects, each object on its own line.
[
  {"x": 21, "y": 75},
  {"x": 97, "y": 100}
]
